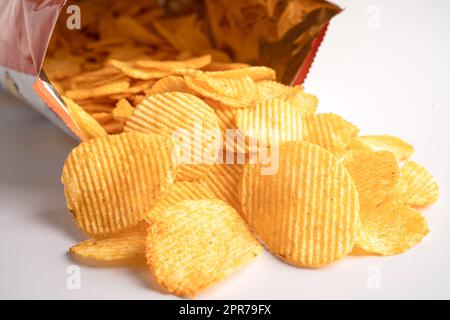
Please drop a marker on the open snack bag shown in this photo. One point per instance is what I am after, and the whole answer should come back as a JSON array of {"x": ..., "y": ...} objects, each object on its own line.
[{"x": 100, "y": 54}]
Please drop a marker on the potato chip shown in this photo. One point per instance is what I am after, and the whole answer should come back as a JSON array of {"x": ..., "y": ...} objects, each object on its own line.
[
  {"x": 135, "y": 72},
  {"x": 232, "y": 93},
  {"x": 223, "y": 180},
  {"x": 190, "y": 121},
  {"x": 401, "y": 149},
  {"x": 98, "y": 82},
  {"x": 114, "y": 127},
  {"x": 183, "y": 33},
  {"x": 356, "y": 145},
  {"x": 170, "y": 84},
  {"x": 123, "y": 247},
  {"x": 195, "y": 244},
  {"x": 194, "y": 63},
  {"x": 391, "y": 229},
  {"x": 226, "y": 118},
  {"x": 270, "y": 89},
  {"x": 375, "y": 175},
  {"x": 112, "y": 182},
  {"x": 123, "y": 110},
  {"x": 96, "y": 107},
  {"x": 421, "y": 187},
  {"x": 140, "y": 86},
  {"x": 104, "y": 90},
  {"x": 329, "y": 131},
  {"x": 306, "y": 103},
  {"x": 93, "y": 76},
  {"x": 307, "y": 212},
  {"x": 270, "y": 122},
  {"x": 216, "y": 65},
  {"x": 256, "y": 73},
  {"x": 130, "y": 28},
  {"x": 57, "y": 69},
  {"x": 181, "y": 191},
  {"x": 103, "y": 117},
  {"x": 88, "y": 125}
]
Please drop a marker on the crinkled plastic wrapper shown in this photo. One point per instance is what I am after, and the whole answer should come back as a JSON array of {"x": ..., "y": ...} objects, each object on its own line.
[{"x": 282, "y": 34}]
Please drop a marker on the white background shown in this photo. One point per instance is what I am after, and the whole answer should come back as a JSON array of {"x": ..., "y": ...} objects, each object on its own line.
[{"x": 384, "y": 66}]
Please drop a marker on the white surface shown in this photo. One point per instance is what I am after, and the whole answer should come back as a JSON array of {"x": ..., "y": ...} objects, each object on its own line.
[{"x": 393, "y": 79}]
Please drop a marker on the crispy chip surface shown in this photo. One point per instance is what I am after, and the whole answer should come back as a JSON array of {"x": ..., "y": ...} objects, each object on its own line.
[
  {"x": 123, "y": 110},
  {"x": 375, "y": 175},
  {"x": 136, "y": 72},
  {"x": 306, "y": 103},
  {"x": 329, "y": 131},
  {"x": 128, "y": 246},
  {"x": 194, "y": 63},
  {"x": 307, "y": 213},
  {"x": 170, "y": 84},
  {"x": 223, "y": 181},
  {"x": 190, "y": 121},
  {"x": 238, "y": 92},
  {"x": 102, "y": 90},
  {"x": 112, "y": 182},
  {"x": 421, "y": 187},
  {"x": 88, "y": 125},
  {"x": 256, "y": 73},
  {"x": 270, "y": 122},
  {"x": 391, "y": 229},
  {"x": 195, "y": 244},
  {"x": 401, "y": 149},
  {"x": 181, "y": 191}
]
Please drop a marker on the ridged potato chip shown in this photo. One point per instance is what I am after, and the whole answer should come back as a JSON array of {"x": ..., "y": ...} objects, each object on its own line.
[
  {"x": 180, "y": 191},
  {"x": 391, "y": 229},
  {"x": 124, "y": 247},
  {"x": 217, "y": 65},
  {"x": 401, "y": 149},
  {"x": 375, "y": 175},
  {"x": 191, "y": 120},
  {"x": 237, "y": 93},
  {"x": 270, "y": 123},
  {"x": 329, "y": 131},
  {"x": 421, "y": 187},
  {"x": 227, "y": 126},
  {"x": 112, "y": 182},
  {"x": 308, "y": 212},
  {"x": 88, "y": 125},
  {"x": 170, "y": 84},
  {"x": 223, "y": 181},
  {"x": 195, "y": 244},
  {"x": 306, "y": 103},
  {"x": 356, "y": 145},
  {"x": 256, "y": 73}
]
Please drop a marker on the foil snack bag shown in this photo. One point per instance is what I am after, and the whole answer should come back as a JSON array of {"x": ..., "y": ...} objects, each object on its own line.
[{"x": 42, "y": 40}]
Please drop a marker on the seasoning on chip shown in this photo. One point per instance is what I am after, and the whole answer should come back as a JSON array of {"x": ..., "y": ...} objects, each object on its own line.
[{"x": 211, "y": 241}]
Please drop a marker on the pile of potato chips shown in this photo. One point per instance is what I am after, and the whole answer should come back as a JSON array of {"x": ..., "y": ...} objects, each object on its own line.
[{"x": 140, "y": 99}]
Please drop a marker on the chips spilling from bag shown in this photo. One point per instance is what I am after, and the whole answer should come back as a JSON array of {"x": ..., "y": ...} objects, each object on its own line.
[{"x": 192, "y": 153}]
